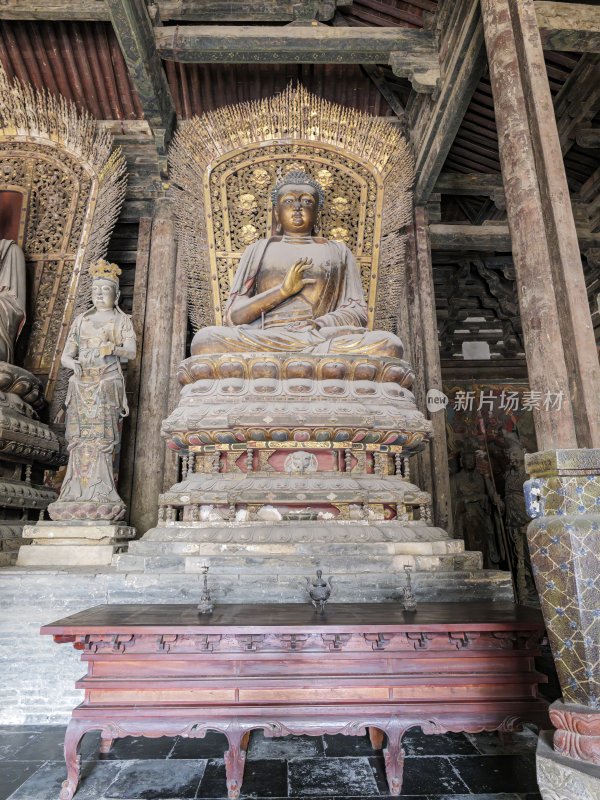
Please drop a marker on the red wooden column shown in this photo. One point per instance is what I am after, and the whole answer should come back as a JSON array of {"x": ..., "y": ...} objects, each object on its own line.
[{"x": 557, "y": 327}]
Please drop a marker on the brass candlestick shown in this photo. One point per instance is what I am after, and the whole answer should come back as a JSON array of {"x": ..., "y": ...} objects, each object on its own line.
[{"x": 205, "y": 606}]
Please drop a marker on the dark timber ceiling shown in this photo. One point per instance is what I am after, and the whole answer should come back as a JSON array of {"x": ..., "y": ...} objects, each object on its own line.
[
  {"x": 83, "y": 61},
  {"x": 474, "y": 293}
]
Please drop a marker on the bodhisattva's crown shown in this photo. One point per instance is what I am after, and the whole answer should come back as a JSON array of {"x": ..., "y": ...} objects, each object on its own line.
[{"x": 105, "y": 271}]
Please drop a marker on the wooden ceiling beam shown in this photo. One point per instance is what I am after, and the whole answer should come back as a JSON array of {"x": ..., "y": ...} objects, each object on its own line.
[
  {"x": 411, "y": 52},
  {"x": 578, "y": 102},
  {"x": 135, "y": 33},
  {"x": 465, "y": 64},
  {"x": 177, "y": 10},
  {"x": 56, "y": 10},
  {"x": 588, "y": 138},
  {"x": 489, "y": 238},
  {"x": 475, "y": 184},
  {"x": 569, "y": 27}
]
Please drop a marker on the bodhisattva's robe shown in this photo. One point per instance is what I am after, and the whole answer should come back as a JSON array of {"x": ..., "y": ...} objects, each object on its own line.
[
  {"x": 12, "y": 297},
  {"x": 335, "y": 303}
]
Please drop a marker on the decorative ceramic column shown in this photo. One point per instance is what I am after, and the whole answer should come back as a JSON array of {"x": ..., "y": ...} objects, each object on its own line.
[
  {"x": 564, "y": 491},
  {"x": 564, "y": 539}
]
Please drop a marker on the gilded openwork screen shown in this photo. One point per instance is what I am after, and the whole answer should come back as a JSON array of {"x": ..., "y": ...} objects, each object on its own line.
[{"x": 71, "y": 184}]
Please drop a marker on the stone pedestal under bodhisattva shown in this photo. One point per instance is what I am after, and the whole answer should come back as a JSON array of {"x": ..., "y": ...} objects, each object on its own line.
[
  {"x": 563, "y": 496},
  {"x": 64, "y": 544},
  {"x": 299, "y": 461}
]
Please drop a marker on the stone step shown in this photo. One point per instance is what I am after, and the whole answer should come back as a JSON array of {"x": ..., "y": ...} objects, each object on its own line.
[
  {"x": 440, "y": 586},
  {"x": 276, "y": 565},
  {"x": 144, "y": 547},
  {"x": 288, "y": 531}
]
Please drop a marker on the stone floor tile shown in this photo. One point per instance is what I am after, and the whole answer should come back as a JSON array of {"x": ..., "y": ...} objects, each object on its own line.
[
  {"x": 46, "y": 745},
  {"x": 131, "y": 748},
  {"x": 213, "y": 745},
  {"x": 261, "y": 779},
  {"x": 333, "y": 777},
  {"x": 417, "y": 743},
  {"x": 501, "y": 796},
  {"x": 11, "y": 743},
  {"x": 13, "y": 773},
  {"x": 432, "y": 775},
  {"x": 4, "y": 729},
  {"x": 490, "y": 744},
  {"x": 46, "y": 782},
  {"x": 497, "y": 773},
  {"x": 340, "y": 746},
  {"x": 145, "y": 779},
  {"x": 285, "y": 747}
]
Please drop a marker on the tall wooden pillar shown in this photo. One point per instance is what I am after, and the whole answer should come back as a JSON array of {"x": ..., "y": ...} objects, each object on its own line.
[
  {"x": 432, "y": 371},
  {"x": 155, "y": 369},
  {"x": 432, "y": 472},
  {"x": 561, "y": 356},
  {"x": 557, "y": 328}
]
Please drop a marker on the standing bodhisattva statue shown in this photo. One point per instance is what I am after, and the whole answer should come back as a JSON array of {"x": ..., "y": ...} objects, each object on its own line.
[
  {"x": 12, "y": 296},
  {"x": 296, "y": 291},
  {"x": 99, "y": 340}
]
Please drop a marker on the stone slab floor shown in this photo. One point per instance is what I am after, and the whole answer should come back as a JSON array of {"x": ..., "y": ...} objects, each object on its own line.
[{"x": 449, "y": 767}]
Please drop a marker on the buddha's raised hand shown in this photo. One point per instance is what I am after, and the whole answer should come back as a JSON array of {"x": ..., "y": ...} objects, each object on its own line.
[{"x": 295, "y": 281}]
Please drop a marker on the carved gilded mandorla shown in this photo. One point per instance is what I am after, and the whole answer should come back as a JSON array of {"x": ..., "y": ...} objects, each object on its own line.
[
  {"x": 224, "y": 164},
  {"x": 72, "y": 184}
]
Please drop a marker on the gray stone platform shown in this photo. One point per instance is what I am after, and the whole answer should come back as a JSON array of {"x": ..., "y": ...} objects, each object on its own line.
[{"x": 259, "y": 561}]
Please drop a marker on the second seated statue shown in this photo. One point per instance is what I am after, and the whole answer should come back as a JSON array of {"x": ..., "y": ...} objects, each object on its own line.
[{"x": 296, "y": 291}]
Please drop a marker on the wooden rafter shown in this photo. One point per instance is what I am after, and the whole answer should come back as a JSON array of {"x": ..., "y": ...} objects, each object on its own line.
[
  {"x": 464, "y": 65},
  {"x": 136, "y": 37}
]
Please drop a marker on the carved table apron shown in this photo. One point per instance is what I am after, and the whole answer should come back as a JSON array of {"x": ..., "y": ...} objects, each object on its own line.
[{"x": 166, "y": 670}]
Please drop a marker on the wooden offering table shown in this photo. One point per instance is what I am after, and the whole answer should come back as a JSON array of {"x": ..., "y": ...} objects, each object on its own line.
[{"x": 166, "y": 670}]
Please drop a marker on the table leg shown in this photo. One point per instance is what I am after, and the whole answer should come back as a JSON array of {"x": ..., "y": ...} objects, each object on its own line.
[
  {"x": 394, "y": 758},
  {"x": 376, "y": 736},
  {"x": 235, "y": 761},
  {"x": 75, "y": 732}
]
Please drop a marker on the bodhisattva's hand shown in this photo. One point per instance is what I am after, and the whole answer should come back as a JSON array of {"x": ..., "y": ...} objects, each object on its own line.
[
  {"x": 294, "y": 281},
  {"x": 72, "y": 363}
]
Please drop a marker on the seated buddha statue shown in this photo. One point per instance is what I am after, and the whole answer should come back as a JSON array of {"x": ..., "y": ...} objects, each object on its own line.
[{"x": 296, "y": 291}]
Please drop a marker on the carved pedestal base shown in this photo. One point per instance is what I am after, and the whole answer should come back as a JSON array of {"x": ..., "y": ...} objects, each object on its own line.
[
  {"x": 577, "y": 732},
  {"x": 562, "y": 778},
  {"x": 61, "y": 544}
]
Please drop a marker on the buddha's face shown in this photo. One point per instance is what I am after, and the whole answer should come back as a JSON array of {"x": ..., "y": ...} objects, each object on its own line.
[
  {"x": 104, "y": 294},
  {"x": 296, "y": 209}
]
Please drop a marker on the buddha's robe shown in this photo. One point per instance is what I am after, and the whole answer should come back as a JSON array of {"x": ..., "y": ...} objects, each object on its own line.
[
  {"x": 12, "y": 296},
  {"x": 335, "y": 303}
]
